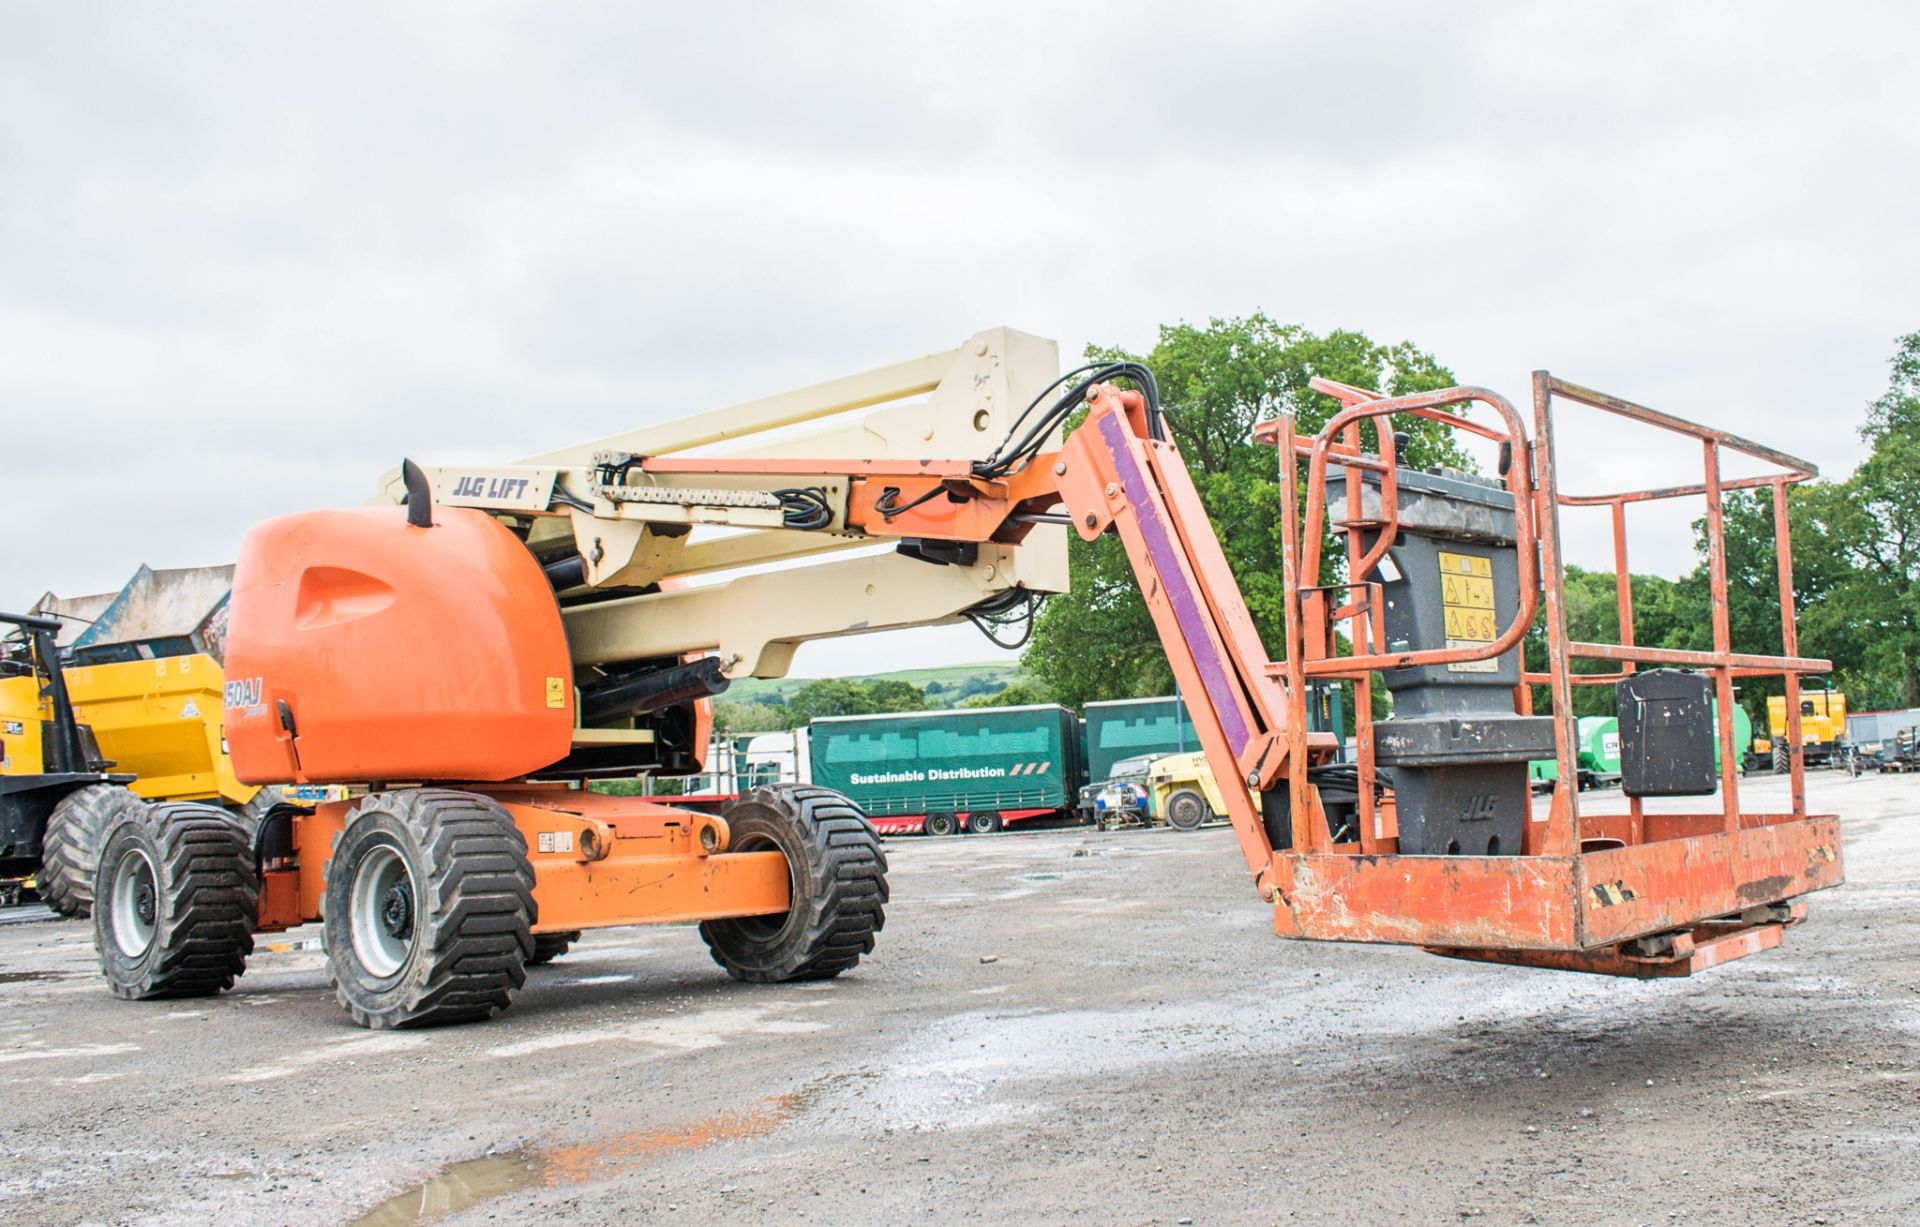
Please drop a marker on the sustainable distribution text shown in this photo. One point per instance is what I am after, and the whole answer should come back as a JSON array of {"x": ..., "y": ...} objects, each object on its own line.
[{"x": 931, "y": 773}]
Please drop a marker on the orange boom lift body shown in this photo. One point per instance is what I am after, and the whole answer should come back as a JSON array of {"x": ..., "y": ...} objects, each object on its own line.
[{"x": 455, "y": 667}]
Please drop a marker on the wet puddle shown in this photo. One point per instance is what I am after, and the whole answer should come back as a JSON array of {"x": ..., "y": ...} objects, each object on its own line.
[{"x": 472, "y": 1181}]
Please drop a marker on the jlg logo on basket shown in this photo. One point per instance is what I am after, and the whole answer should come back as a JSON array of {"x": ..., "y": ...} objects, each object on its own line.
[{"x": 244, "y": 692}]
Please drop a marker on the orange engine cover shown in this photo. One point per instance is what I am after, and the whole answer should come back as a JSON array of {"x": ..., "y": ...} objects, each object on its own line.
[{"x": 395, "y": 653}]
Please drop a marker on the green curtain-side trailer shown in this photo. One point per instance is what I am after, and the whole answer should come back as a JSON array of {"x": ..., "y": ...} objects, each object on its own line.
[
  {"x": 1019, "y": 763},
  {"x": 1124, "y": 728}
]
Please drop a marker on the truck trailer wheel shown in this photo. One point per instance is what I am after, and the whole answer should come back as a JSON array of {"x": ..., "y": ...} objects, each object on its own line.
[
  {"x": 549, "y": 946},
  {"x": 1186, "y": 810},
  {"x": 429, "y": 909},
  {"x": 940, "y": 824},
  {"x": 76, "y": 832},
  {"x": 839, "y": 881},
  {"x": 986, "y": 822},
  {"x": 175, "y": 903},
  {"x": 1781, "y": 760}
]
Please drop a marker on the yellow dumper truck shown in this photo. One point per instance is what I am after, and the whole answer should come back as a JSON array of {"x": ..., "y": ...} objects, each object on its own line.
[
  {"x": 140, "y": 671},
  {"x": 1823, "y": 726}
]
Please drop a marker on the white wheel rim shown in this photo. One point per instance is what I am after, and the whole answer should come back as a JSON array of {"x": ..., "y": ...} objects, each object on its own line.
[
  {"x": 135, "y": 891},
  {"x": 382, "y": 938}
]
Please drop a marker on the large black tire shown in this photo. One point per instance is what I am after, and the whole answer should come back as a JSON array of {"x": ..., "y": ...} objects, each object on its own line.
[
  {"x": 429, "y": 909},
  {"x": 839, "y": 887},
  {"x": 1187, "y": 810},
  {"x": 76, "y": 833},
  {"x": 176, "y": 901},
  {"x": 985, "y": 822},
  {"x": 549, "y": 946},
  {"x": 249, "y": 816},
  {"x": 1781, "y": 759}
]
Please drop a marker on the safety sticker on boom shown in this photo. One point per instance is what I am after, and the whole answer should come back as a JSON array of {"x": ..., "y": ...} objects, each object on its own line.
[{"x": 1466, "y": 601}]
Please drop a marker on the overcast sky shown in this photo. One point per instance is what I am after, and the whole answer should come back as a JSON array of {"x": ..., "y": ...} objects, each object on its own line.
[{"x": 251, "y": 255}]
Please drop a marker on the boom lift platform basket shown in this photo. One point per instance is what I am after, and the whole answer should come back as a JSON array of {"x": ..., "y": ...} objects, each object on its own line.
[{"x": 1628, "y": 893}]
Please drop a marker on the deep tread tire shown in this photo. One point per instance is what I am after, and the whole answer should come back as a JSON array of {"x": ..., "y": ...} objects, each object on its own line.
[
  {"x": 76, "y": 833},
  {"x": 549, "y": 946},
  {"x": 839, "y": 881},
  {"x": 471, "y": 901},
  {"x": 250, "y": 816},
  {"x": 1782, "y": 760},
  {"x": 984, "y": 823},
  {"x": 1187, "y": 810},
  {"x": 940, "y": 824},
  {"x": 204, "y": 902}
]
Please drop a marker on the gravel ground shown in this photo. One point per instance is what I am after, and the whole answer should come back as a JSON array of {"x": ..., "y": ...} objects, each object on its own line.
[{"x": 1060, "y": 1026}]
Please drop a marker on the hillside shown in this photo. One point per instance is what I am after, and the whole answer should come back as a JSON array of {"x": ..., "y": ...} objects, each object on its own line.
[{"x": 945, "y": 686}]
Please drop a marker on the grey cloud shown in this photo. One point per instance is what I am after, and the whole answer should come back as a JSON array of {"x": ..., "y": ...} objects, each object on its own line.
[{"x": 251, "y": 255}]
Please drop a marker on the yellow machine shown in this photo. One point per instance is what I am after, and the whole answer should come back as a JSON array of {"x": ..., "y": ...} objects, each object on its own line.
[
  {"x": 140, "y": 673},
  {"x": 52, "y": 775},
  {"x": 1177, "y": 790},
  {"x": 1823, "y": 726},
  {"x": 1182, "y": 792},
  {"x": 159, "y": 721}
]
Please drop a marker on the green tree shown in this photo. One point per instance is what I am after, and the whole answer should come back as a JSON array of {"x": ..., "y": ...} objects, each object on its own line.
[
  {"x": 734, "y": 718},
  {"x": 1015, "y": 694},
  {"x": 1097, "y": 641},
  {"x": 892, "y": 694},
  {"x": 829, "y": 696},
  {"x": 1665, "y": 615},
  {"x": 1856, "y": 553},
  {"x": 1856, "y": 574},
  {"x": 836, "y": 696}
]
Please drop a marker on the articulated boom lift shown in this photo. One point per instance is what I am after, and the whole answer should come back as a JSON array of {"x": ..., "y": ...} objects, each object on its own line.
[{"x": 470, "y": 649}]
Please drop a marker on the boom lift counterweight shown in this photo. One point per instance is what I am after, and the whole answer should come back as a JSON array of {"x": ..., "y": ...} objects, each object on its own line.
[{"x": 513, "y": 631}]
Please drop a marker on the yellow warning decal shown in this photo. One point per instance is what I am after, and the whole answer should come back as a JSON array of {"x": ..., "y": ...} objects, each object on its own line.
[
  {"x": 1612, "y": 894},
  {"x": 1466, "y": 597},
  {"x": 1466, "y": 602},
  {"x": 556, "y": 692}
]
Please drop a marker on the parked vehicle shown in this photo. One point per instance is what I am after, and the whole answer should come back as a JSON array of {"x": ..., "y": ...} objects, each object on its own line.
[
  {"x": 973, "y": 769},
  {"x": 52, "y": 774},
  {"x": 1182, "y": 792},
  {"x": 1123, "y": 729},
  {"x": 1823, "y": 729},
  {"x": 976, "y": 770},
  {"x": 140, "y": 670},
  {"x": 1121, "y": 800}
]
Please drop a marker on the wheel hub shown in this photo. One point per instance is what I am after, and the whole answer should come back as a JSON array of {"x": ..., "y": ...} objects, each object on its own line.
[
  {"x": 396, "y": 911},
  {"x": 132, "y": 903},
  {"x": 383, "y": 907}
]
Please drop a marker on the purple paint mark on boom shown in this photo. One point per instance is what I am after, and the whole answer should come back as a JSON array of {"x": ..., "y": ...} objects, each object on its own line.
[{"x": 1173, "y": 580}]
